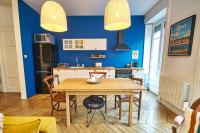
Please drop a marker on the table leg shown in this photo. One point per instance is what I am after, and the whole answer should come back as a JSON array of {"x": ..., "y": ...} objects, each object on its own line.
[
  {"x": 130, "y": 110},
  {"x": 67, "y": 109}
]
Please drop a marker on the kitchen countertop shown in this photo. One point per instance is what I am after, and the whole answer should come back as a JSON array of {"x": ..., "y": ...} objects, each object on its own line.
[{"x": 97, "y": 68}]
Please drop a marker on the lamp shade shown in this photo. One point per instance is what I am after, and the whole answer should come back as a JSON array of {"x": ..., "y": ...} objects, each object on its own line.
[
  {"x": 53, "y": 17},
  {"x": 117, "y": 15}
]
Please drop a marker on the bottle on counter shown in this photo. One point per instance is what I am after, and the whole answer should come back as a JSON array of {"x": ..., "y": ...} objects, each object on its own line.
[
  {"x": 128, "y": 65},
  {"x": 131, "y": 64}
]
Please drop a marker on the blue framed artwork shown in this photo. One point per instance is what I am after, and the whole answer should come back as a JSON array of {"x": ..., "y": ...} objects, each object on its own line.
[{"x": 181, "y": 37}]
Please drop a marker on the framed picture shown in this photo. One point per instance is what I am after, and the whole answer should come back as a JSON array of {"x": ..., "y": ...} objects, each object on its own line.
[
  {"x": 135, "y": 54},
  {"x": 181, "y": 37}
]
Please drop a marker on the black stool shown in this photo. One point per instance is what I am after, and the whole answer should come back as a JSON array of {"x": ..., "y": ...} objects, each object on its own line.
[{"x": 93, "y": 103}]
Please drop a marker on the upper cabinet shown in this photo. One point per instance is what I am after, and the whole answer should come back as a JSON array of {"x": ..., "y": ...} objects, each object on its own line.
[{"x": 85, "y": 44}]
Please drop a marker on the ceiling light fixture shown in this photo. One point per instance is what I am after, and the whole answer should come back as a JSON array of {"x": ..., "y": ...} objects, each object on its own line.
[
  {"x": 117, "y": 15},
  {"x": 53, "y": 17}
]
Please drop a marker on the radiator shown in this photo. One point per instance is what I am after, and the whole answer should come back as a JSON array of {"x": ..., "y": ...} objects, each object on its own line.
[{"x": 174, "y": 91}]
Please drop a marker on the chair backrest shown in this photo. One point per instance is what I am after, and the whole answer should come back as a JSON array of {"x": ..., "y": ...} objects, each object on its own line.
[
  {"x": 49, "y": 81},
  {"x": 196, "y": 105},
  {"x": 138, "y": 80},
  {"x": 98, "y": 74}
]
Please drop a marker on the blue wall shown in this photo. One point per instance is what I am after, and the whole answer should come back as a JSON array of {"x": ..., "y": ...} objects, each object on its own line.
[
  {"x": 29, "y": 24},
  {"x": 93, "y": 27},
  {"x": 79, "y": 27}
]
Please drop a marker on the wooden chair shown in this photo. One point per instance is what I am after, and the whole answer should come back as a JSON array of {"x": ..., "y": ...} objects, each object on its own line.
[
  {"x": 195, "y": 106},
  {"x": 57, "y": 97},
  {"x": 119, "y": 99},
  {"x": 100, "y": 75}
]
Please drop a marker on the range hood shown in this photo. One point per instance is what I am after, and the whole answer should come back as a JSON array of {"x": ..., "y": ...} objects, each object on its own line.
[{"x": 120, "y": 46}]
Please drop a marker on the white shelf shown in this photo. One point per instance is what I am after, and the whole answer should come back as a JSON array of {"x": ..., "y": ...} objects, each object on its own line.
[{"x": 97, "y": 57}]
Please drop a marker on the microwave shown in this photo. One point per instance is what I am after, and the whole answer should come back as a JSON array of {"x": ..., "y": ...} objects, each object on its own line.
[{"x": 44, "y": 38}]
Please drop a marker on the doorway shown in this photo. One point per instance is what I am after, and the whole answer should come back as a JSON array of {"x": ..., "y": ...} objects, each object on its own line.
[
  {"x": 156, "y": 57},
  {"x": 9, "y": 77},
  {"x": 153, "y": 51}
]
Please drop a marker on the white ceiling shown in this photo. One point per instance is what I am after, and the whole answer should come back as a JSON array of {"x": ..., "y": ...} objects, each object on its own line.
[{"x": 94, "y": 7}]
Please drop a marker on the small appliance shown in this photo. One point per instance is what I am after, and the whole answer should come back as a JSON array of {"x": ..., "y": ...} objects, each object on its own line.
[
  {"x": 45, "y": 58},
  {"x": 98, "y": 64},
  {"x": 44, "y": 38},
  {"x": 123, "y": 73}
]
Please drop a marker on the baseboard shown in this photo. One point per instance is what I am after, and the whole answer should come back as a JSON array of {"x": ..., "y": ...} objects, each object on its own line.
[
  {"x": 15, "y": 90},
  {"x": 171, "y": 107}
]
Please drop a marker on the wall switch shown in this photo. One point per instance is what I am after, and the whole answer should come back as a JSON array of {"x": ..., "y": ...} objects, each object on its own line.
[{"x": 25, "y": 56}]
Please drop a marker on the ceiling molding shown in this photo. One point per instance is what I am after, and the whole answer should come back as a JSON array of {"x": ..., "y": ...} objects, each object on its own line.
[
  {"x": 93, "y": 7},
  {"x": 155, "y": 10}
]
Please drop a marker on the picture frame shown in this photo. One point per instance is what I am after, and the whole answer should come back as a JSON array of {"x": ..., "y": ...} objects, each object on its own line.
[{"x": 181, "y": 37}]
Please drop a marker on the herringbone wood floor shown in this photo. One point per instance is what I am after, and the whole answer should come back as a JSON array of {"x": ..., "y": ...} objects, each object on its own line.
[{"x": 155, "y": 118}]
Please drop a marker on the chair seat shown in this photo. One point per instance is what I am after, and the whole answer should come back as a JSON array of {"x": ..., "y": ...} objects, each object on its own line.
[
  {"x": 136, "y": 92},
  {"x": 137, "y": 97},
  {"x": 125, "y": 98},
  {"x": 93, "y": 102},
  {"x": 60, "y": 97}
]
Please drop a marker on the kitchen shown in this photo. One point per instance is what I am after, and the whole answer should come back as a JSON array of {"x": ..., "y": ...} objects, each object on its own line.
[
  {"x": 113, "y": 58},
  {"x": 85, "y": 47},
  {"x": 80, "y": 65},
  {"x": 94, "y": 51}
]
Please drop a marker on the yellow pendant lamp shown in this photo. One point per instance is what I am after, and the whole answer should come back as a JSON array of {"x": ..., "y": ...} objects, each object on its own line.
[
  {"x": 53, "y": 17},
  {"x": 117, "y": 15}
]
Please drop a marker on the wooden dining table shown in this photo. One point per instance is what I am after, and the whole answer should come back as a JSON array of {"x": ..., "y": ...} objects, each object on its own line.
[{"x": 106, "y": 86}]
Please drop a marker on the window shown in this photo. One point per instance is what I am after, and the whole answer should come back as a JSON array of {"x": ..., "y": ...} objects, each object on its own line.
[{"x": 153, "y": 55}]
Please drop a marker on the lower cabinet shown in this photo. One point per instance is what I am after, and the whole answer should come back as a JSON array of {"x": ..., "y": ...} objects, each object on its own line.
[
  {"x": 110, "y": 73},
  {"x": 63, "y": 74},
  {"x": 137, "y": 73}
]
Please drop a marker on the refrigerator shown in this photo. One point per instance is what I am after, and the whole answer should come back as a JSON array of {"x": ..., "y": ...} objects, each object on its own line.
[{"x": 45, "y": 58}]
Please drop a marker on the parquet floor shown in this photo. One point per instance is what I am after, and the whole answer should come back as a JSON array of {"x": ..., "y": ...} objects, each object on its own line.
[{"x": 155, "y": 118}]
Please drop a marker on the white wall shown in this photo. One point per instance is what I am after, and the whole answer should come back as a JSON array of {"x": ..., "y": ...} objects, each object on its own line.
[
  {"x": 183, "y": 67},
  {"x": 6, "y": 18},
  {"x": 9, "y": 17},
  {"x": 15, "y": 11}
]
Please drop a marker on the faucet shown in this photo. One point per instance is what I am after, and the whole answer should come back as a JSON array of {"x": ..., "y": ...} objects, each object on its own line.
[{"x": 77, "y": 62}]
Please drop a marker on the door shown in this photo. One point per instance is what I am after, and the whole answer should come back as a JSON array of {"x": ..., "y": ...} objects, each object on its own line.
[
  {"x": 156, "y": 57},
  {"x": 8, "y": 56}
]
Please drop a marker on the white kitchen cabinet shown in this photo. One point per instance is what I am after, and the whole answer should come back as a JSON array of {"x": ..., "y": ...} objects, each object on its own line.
[
  {"x": 110, "y": 73},
  {"x": 74, "y": 73},
  {"x": 71, "y": 73},
  {"x": 85, "y": 44},
  {"x": 63, "y": 74},
  {"x": 77, "y": 73},
  {"x": 138, "y": 73}
]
